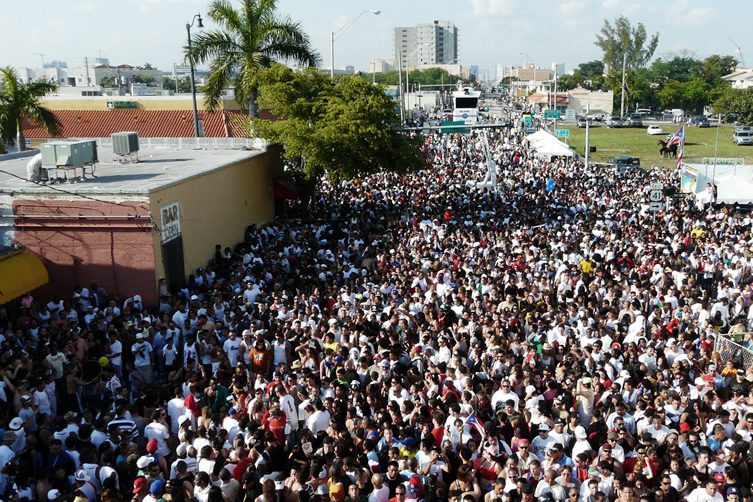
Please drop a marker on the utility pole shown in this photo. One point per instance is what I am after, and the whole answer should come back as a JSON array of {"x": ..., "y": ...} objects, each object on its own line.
[
  {"x": 622, "y": 92},
  {"x": 41, "y": 58},
  {"x": 175, "y": 77},
  {"x": 400, "y": 84},
  {"x": 88, "y": 80},
  {"x": 555, "y": 97}
]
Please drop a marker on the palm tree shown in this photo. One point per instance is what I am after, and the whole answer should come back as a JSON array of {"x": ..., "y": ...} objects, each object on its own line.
[
  {"x": 249, "y": 38},
  {"x": 19, "y": 100}
]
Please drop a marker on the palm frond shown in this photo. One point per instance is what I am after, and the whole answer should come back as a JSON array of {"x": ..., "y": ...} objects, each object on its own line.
[
  {"x": 220, "y": 73},
  {"x": 213, "y": 44},
  {"x": 46, "y": 119},
  {"x": 286, "y": 40},
  {"x": 222, "y": 13}
]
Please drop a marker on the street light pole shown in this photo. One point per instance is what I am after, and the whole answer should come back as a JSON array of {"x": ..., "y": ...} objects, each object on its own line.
[
  {"x": 407, "y": 73},
  {"x": 336, "y": 34},
  {"x": 196, "y": 17}
]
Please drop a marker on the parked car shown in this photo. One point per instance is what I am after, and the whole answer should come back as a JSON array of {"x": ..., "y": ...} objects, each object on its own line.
[
  {"x": 701, "y": 121},
  {"x": 625, "y": 163},
  {"x": 634, "y": 120},
  {"x": 742, "y": 138},
  {"x": 614, "y": 122},
  {"x": 581, "y": 123},
  {"x": 654, "y": 130}
]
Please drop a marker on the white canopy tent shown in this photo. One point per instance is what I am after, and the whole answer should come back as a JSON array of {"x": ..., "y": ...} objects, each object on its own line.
[
  {"x": 734, "y": 183},
  {"x": 547, "y": 145}
]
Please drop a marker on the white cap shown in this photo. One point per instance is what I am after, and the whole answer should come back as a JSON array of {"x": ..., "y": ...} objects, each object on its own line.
[
  {"x": 142, "y": 462},
  {"x": 182, "y": 419},
  {"x": 16, "y": 423},
  {"x": 81, "y": 475},
  {"x": 53, "y": 494},
  {"x": 544, "y": 427},
  {"x": 580, "y": 432}
]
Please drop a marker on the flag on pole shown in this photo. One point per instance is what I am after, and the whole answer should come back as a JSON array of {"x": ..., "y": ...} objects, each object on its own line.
[
  {"x": 678, "y": 138},
  {"x": 477, "y": 424}
]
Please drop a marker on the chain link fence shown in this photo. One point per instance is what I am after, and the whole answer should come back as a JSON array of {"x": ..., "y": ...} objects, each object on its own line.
[{"x": 730, "y": 350}]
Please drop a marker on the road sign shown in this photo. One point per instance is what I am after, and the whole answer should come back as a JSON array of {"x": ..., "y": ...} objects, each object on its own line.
[
  {"x": 552, "y": 114},
  {"x": 562, "y": 133},
  {"x": 724, "y": 161},
  {"x": 656, "y": 197}
]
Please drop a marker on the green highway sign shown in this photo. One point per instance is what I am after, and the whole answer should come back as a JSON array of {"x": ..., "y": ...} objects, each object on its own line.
[
  {"x": 724, "y": 161},
  {"x": 119, "y": 105},
  {"x": 552, "y": 114},
  {"x": 562, "y": 133}
]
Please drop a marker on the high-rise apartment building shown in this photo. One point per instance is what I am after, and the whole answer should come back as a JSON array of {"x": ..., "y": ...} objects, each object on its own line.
[{"x": 426, "y": 44}]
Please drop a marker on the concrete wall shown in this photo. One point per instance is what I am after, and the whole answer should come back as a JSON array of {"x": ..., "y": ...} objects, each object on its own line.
[
  {"x": 83, "y": 241},
  {"x": 217, "y": 207}
]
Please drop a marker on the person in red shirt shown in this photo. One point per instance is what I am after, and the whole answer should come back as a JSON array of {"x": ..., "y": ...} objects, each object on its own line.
[
  {"x": 192, "y": 402},
  {"x": 438, "y": 430},
  {"x": 260, "y": 358},
  {"x": 274, "y": 421}
]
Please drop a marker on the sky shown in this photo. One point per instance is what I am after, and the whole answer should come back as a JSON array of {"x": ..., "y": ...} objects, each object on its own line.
[{"x": 509, "y": 32}]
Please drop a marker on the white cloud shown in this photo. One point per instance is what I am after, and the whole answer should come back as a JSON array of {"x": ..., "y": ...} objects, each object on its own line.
[
  {"x": 485, "y": 8},
  {"x": 572, "y": 8},
  {"x": 610, "y": 4},
  {"x": 692, "y": 15}
]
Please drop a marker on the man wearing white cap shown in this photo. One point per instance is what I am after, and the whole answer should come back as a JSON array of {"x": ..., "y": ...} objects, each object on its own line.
[
  {"x": 542, "y": 442},
  {"x": 143, "y": 359},
  {"x": 17, "y": 425},
  {"x": 6, "y": 455}
]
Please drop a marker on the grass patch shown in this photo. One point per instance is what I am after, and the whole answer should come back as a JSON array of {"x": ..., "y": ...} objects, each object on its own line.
[{"x": 699, "y": 143}]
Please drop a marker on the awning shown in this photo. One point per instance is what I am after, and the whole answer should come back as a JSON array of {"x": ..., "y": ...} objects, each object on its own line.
[{"x": 20, "y": 272}]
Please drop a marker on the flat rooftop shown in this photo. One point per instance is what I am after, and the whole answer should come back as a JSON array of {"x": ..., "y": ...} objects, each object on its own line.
[{"x": 157, "y": 168}]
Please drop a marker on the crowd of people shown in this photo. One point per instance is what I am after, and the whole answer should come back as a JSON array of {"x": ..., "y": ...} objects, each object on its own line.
[{"x": 408, "y": 337}]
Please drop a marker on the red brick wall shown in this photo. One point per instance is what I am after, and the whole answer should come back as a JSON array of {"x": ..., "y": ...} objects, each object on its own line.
[{"x": 84, "y": 241}]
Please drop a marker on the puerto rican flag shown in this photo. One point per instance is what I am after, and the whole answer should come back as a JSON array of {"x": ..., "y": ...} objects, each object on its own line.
[
  {"x": 477, "y": 424},
  {"x": 678, "y": 137}
]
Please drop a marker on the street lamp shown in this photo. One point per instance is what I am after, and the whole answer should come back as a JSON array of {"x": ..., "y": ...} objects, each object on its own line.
[
  {"x": 336, "y": 34},
  {"x": 407, "y": 71},
  {"x": 196, "y": 17}
]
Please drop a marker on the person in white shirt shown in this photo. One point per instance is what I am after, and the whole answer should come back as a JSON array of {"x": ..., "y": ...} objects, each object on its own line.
[
  {"x": 707, "y": 493},
  {"x": 158, "y": 431},
  {"x": 657, "y": 429},
  {"x": 142, "y": 358},
  {"x": 542, "y": 442},
  {"x": 319, "y": 419},
  {"x": 287, "y": 405},
  {"x": 176, "y": 407},
  {"x": 232, "y": 348},
  {"x": 504, "y": 394}
]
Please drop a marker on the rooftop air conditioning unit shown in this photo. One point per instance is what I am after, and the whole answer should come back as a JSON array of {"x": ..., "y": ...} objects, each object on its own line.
[
  {"x": 125, "y": 143},
  {"x": 75, "y": 153}
]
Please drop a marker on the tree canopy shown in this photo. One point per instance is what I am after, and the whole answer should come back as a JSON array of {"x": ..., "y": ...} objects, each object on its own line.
[
  {"x": 428, "y": 76},
  {"x": 249, "y": 39},
  {"x": 738, "y": 102},
  {"x": 621, "y": 38},
  {"x": 344, "y": 129},
  {"x": 18, "y": 100}
]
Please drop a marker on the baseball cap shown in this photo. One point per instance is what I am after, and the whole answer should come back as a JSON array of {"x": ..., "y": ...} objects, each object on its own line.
[
  {"x": 142, "y": 462},
  {"x": 158, "y": 486},
  {"x": 580, "y": 432},
  {"x": 139, "y": 484},
  {"x": 151, "y": 446},
  {"x": 81, "y": 475},
  {"x": 16, "y": 423},
  {"x": 544, "y": 427},
  {"x": 55, "y": 494}
]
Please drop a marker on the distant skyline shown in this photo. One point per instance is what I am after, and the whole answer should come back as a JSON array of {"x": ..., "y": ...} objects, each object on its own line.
[{"x": 509, "y": 32}]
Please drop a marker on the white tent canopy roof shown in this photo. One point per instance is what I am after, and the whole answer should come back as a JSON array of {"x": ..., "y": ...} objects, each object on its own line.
[{"x": 546, "y": 144}]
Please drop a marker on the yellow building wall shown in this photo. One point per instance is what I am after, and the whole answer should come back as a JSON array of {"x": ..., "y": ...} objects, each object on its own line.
[
  {"x": 217, "y": 207},
  {"x": 144, "y": 102}
]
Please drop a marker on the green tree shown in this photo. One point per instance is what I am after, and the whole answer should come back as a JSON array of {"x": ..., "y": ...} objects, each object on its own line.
[
  {"x": 184, "y": 85},
  {"x": 567, "y": 82},
  {"x": 143, "y": 79},
  {"x": 736, "y": 101},
  {"x": 714, "y": 67},
  {"x": 678, "y": 68},
  {"x": 429, "y": 76},
  {"x": 691, "y": 96},
  {"x": 621, "y": 38},
  {"x": 344, "y": 129},
  {"x": 591, "y": 69},
  {"x": 19, "y": 100},
  {"x": 109, "y": 81},
  {"x": 249, "y": 39}
]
